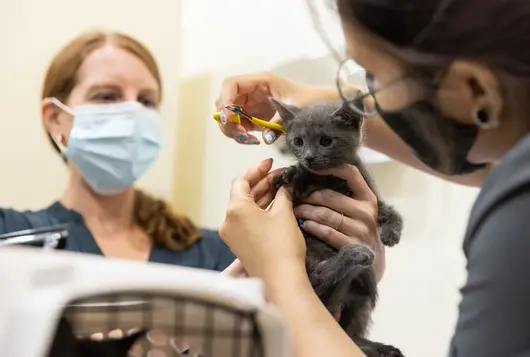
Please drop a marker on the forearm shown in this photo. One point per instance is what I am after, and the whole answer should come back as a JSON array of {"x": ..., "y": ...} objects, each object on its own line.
[
  {"x": 308, "y": 94},
  {"x": 313, "y": 331}
]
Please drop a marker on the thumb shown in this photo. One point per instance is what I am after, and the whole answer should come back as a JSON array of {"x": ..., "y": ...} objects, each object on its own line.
[
  {"x": 270, "y": 136},
  {"x": 240, "y": 190},
  {"x": 282, "y": 201}
]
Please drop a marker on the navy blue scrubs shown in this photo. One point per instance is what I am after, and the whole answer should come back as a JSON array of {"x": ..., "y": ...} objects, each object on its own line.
[{"x": 209, "y": 252}]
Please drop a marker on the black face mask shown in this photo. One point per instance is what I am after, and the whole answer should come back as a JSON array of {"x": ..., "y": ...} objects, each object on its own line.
[{"x": 439, "y": 142}]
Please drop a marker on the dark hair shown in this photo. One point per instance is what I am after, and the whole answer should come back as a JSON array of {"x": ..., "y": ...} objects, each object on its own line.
[
  {"x": 494, "y": 33},
  {"x": 153, "y": 216}
]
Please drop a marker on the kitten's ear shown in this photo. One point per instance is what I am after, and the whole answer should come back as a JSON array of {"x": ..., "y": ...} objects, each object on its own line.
[
  {"x": 287, "y": 112},
  {"x": 345, "y": 113}
]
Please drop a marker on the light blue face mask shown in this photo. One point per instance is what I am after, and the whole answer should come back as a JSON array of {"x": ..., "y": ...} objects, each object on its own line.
[{"x": 112, "y": 145}]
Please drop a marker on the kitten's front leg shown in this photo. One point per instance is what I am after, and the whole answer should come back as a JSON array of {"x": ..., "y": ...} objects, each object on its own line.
[
  {"x": 285, "y": 177},
  {"x": 376, "y": 349}
]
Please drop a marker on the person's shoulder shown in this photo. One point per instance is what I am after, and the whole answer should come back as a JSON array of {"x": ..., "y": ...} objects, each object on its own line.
[
  {"x": 12, "y": 220},
  {"x": 513, "y": 171},
  {"x": 509, "y": 179},
  {"x": 208, "y": 252},
  {"x": 213, "y": 242}
]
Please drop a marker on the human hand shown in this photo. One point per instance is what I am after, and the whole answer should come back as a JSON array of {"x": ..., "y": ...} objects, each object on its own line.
[
  {"x": 235, "y": 270},
  {"x": 268, "y": 243},
  {"x": 341, "y": 220},
  {"x": 252, "y": 92}
]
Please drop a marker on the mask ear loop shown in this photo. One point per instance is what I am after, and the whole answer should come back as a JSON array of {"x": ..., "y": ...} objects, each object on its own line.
[
  {"x": 58, "y": 140},
  {"x": 62, "y": 106}
]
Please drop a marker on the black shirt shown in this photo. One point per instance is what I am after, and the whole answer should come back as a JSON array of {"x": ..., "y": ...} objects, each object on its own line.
[
  {"x": 209, "y": 252},
  {"x": 494, "y": 318}
]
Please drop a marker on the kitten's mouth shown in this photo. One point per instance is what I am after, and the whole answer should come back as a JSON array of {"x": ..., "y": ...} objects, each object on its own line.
[{"x": 315, "y": 167}]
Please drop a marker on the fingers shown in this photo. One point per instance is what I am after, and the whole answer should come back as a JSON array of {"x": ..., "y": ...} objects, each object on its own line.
[
  {"x": 263, "y": 192},
  {"x": 239, "y": 133},
  {"x": 235, "y": 270},
  {"x": 242, "y": 186},
  {"x": 282, "y": 202},
  {"x": 255, "y": 175},
  {"x": 327, "y": 234},
  {"x": 246, "y": 90},
  {"x": 234, "y": 88},
  {"x": 270, "y": 136},
  {"x": 239, "y": 191},
  {"x": 355, "y": 180},
  {"x": 333, "y": 228},
  {"x": 340, "y": 203}
]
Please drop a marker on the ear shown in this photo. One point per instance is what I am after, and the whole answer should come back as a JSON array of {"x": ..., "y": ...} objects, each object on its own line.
[
  {"x": 471, "y": 93},
  {"x": 56, "y": 122},
  {"x": 287, "y": 112},
  {"x": 347, "y": 115}
]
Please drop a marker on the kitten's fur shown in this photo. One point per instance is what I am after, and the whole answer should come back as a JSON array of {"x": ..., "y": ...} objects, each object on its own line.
[
  {"x": 66, "y": 344},
  {"x": 323, "y": 136}
]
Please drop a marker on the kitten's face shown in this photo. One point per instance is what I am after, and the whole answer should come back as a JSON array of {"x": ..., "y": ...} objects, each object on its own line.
[{"x": 321, "y": 136}]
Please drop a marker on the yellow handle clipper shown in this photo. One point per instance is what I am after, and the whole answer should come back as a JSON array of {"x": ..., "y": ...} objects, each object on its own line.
[{"x": 238, "y": 113}]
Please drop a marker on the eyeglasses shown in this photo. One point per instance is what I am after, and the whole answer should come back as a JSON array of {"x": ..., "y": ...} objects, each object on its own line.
[
  {"x": 356, "y": 86},
  {"x": 350, "y": 77}
]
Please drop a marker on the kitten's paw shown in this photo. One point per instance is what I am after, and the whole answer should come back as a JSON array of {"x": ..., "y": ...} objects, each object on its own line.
[
  {"x": 277, "y": 181},
  {"x": 285, "y": 177},
  {"x": 388, "y": 351},
  {"x": 380, "y": 350},
  {"x": 361, "y": 254}
]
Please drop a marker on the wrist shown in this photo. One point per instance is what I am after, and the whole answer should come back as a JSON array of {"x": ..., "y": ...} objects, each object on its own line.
[
  {"x": 285, "y": 281},
  {"x": 321, "y": 93}
]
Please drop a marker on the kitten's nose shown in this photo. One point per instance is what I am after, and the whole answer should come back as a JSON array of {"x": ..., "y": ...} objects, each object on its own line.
[{"x": 309, "y": 159}]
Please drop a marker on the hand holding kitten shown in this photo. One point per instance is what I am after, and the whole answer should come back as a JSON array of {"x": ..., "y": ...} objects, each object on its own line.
[
  {"x": 340, "y": 220},
  {"x": 268, "y": 243}
]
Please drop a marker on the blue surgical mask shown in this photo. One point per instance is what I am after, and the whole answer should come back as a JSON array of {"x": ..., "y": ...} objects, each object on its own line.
[{"x": 111, "y": 145}]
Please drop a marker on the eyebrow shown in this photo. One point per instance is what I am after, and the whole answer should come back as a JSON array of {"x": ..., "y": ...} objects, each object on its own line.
[
  {"x": 109, "y": 86},
  {"x": 101, "y": 86}
]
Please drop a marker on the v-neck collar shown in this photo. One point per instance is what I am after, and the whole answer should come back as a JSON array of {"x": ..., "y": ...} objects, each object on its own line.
[{"x": 82, "y": 239}]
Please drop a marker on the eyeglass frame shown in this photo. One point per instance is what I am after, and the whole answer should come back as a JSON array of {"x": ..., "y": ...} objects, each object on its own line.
[
  {"x": 435, "y": 85},
  {"x": 371, "y": 92}
]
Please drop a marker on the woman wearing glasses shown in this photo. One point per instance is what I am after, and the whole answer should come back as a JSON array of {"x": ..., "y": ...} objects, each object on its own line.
[{"x": 447, "y": 95}]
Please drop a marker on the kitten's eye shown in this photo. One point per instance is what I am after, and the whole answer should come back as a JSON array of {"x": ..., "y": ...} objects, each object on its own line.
[
  {"x": 298, "y": 142},
  {"x": 325, "y": 141}
]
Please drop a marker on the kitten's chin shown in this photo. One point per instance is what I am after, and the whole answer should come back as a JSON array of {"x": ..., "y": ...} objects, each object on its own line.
[{"x": 316, "y": 168}]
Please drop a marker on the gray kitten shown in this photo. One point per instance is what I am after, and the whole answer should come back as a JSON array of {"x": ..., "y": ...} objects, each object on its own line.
[{"x": 324, "y": 136}]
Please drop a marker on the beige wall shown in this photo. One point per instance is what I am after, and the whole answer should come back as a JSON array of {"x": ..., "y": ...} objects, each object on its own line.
[{"x": 31, "y": 32}]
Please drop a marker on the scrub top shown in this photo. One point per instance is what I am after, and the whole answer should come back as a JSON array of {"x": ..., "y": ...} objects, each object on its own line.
[
  {"x": 209, "y": 252},
  {"x": 494, "y": 314}
]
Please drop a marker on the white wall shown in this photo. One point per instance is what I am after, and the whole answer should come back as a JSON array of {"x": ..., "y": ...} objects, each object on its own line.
[
  {"x": 419, "y": 293},
  {"x": 32, "y": 31}
]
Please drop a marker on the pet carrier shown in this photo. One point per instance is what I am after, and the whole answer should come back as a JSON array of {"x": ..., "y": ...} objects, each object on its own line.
[{"x": 63, "y": 304}]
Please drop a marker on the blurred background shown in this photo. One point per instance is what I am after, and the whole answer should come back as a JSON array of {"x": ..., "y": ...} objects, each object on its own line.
[{"x": 197, "y": 43}]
